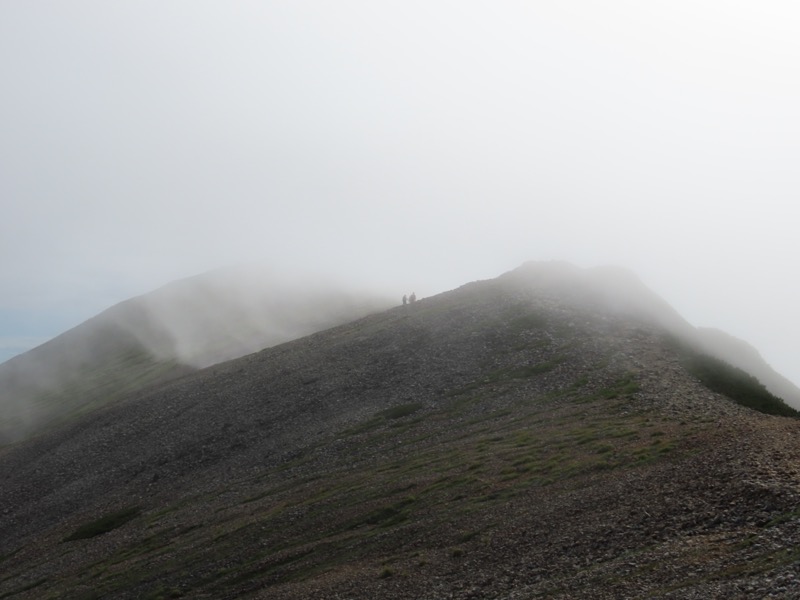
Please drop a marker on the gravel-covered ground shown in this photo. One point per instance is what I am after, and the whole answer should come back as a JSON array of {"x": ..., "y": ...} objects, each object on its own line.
[{"x": 504, "y": 440}]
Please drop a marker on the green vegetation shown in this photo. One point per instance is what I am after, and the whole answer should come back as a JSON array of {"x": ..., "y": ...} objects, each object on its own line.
[
  {"x": 104, "y": 524},
  {"x": 736, "y": 384},
  {"x": 508, "y": 374},
  {"x": 783, "y": 518},
  {"x": 386, "y": 516},
  {"x": 25, "y": 588},
  {"x": 403, "y": 410},
  {"x": 625, "y": 386},
  {"x": 383, "y": 417}
]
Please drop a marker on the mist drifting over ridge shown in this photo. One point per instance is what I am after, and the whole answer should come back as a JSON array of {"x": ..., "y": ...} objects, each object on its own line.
[
  {"x": 234, "y": 311},
  {"x": 228, "y": 313},
  {"x": 186, "y": 325}
]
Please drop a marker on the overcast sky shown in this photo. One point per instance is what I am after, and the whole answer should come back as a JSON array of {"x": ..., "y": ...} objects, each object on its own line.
[{"x": 411, "y": 145}]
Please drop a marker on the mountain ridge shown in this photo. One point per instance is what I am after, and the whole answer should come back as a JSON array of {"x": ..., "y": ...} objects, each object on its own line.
[
  {"x": 423, "y": 452},
  {"x": 621, "y": 290},
  {"x": 228, "y": 313}
]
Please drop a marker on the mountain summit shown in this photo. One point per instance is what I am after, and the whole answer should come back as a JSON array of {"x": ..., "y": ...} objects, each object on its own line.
[
  {"x": 620, "y": 291},
  {"x": 535, "y": 435}
]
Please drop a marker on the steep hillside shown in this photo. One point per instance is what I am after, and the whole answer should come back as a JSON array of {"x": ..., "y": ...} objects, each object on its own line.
[
  {"x": 619, "y": 291},
  {"x": 167, "y": 333},
  {"x": 742, "y": 355},
  {"x": 509, "y": 439}
]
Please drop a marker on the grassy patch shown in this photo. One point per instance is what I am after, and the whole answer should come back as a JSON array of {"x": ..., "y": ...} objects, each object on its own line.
[
  {"x": 723, "y": 378},
  {"x": 402, "y": 410},
  {"x": 579, "y": 383},
  {"x": 625, "y": 386},
  {"x": 386, "y": 516},
  {"x": 104, "y": 524},
  {"x": 739, "y": 386},
  {"x": 25, "y": 588},
  {"x": 522, "y": 372},
  {"x": 380, "y": 418},
  {"x": 784, "y": 517},
  {"x": 466, "y": 537}
]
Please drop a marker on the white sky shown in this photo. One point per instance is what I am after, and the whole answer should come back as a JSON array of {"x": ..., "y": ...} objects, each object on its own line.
[{"x": 410, "y": 145}]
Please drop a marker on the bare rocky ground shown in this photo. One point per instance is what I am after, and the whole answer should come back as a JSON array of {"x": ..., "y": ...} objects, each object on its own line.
[{"x": 497, "y": 441}]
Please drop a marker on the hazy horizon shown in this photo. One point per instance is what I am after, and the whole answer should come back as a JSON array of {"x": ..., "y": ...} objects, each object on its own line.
[{"x": 400, "y": 147}]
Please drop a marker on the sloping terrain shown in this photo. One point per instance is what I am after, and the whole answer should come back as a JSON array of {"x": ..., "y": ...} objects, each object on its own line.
[
  {"x": 509, "y": 439},
  {"x": 165, "y": 334},
  {"x": 741, "y": 354},
  {"x": 92, "y": 365}
]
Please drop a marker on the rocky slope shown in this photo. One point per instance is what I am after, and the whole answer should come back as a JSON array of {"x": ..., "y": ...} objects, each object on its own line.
[{"x": 515, "y": 438}]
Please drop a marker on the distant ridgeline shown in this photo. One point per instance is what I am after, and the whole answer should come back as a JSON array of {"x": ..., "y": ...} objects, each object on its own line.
[
  {"x": 162, "y": 335},
  {"x": 197, "y": 322}
]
